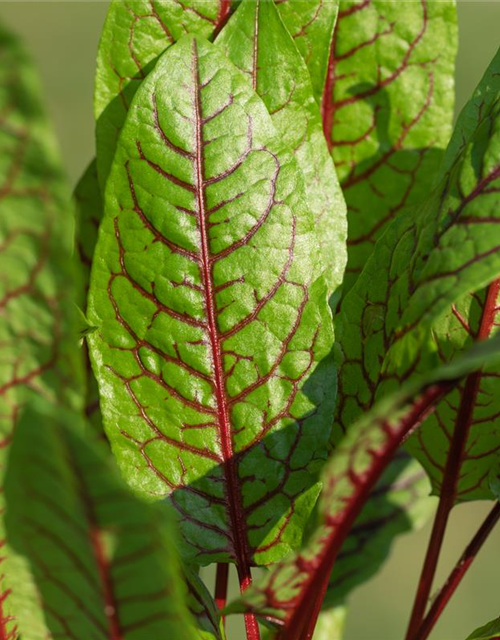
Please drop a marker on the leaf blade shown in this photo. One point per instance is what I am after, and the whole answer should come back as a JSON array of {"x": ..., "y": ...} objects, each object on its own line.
[
  {"x": 237, "y": 488},
  {"x": 386, "y": 115}
]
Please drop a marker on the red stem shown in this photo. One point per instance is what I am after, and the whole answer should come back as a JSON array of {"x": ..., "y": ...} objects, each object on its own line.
[
  {"x": 251, "y": 625},
  {"x": 303, "y": 621},
  {"x": 458, "y": 573},
  {"x": 452, "y": 470},
  {"x": 221, "y": 580}
]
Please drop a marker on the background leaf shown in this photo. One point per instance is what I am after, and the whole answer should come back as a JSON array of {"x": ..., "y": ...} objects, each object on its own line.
[
  {"x": 38, "y": 336},
  {"x": 104, "y": 563},
  {"x": 310, "y": 24},
  {"x": 136, "y": 32},
  {"x": 433, "y": 255},
  {"x": 257, "y": 42},
  {"x": 388, "y": 109},
  {"x": 201, "y": 291}
]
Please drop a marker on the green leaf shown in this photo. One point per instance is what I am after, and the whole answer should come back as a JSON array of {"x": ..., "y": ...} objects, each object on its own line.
[
  {"x": 311, "y": 23},
  {"x": 210, "y": 330},
  {"x": 203, "y": 608},
  {"x": 89, "y": 211},
  {"x": 473, "y": 409},
  {"x": 399, "y": 503},
  {"x": 287, "y": 594},
  {"x": 38, "y": 335},
  {"x": 103, "y": 563},
  {"x": 135, "y": 33},
  {"x": 388, "y": 110},
  {"x": 256, "y": 41},
  {"x": 428, "y": 259},
  {"x": 490, "y": 631}
]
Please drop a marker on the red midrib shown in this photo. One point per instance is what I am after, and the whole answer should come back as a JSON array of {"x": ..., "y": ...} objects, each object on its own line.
[
  {"x": 230, "y": 468},
  {"x": 110, "y": 608}
]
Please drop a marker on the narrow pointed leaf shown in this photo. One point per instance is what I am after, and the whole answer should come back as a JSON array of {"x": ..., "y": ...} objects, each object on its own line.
[
  {"x": 210, "y": 330},
  {"x": 203, "y": 608},
  {"x": 388, "y": 109},
  {"x": 433, "y": 256},
  {"x": 136, "y": 32},
  {"x": 399, "y": 504},
  {"x": 288, "y": 593},
  {"x": 103, "y": 562},
  {"x": 257, "y": 42},
  {"x": 38, "y": 336},
  {"x": 490, "y": 631}
]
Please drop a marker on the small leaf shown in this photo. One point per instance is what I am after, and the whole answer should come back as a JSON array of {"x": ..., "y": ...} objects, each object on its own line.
[
  {"x": 388, "y": 110},
  {"x": 490, "y": 631},
  {"x": 398, "y": 504},
  {"x": 287, "y": 594},
  {"x": 103, "y": 562},
  {"x": 135, "y": 33},
  {"x": 210, "y": 326},
  {"x": 203, "y": 608},
  {"x": 256, "y": 41}
]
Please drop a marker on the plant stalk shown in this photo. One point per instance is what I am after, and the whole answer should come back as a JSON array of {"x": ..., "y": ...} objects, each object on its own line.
[
  {"x": 221, "y": 582},
  {"x": 458, "y": 573},
  {"x": 452, "y": 470}
]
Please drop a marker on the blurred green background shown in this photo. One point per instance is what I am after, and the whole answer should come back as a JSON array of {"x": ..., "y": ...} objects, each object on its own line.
[{"x": 62, "y": 37}]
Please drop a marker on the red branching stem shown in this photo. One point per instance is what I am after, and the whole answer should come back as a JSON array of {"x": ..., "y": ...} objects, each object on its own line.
[
  {"x": 251, "y": 625},
  {"x": 454, "y": 461},
  {"x": 222, "y": 17},
  {"x": 303, "y": 621},
  {"x": 458, "y": 573},
  {"x": 221, "y": 580}
]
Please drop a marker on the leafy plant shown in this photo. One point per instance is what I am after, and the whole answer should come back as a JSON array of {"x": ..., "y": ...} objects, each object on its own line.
[{"x": 270, "y": 366}]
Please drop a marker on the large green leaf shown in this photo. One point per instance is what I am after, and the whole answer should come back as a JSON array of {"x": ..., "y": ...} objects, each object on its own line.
[
  {"x": 38, "y": 336},
  {"x": 428, "y": 259},
  {"x": 490, "y": 631},
  {"x": 103, "y": 563},
  {"x": 388, "y": 109},
  {"x": 210, "y": 329},
  {"x": 288, "y": 594},
  {"x": 256, "y": 41},
  {"x": 399, "y": 503}
]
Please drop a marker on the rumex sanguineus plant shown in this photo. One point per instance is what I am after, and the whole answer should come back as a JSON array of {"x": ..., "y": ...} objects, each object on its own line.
[{"x": 273, "y": 333}]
